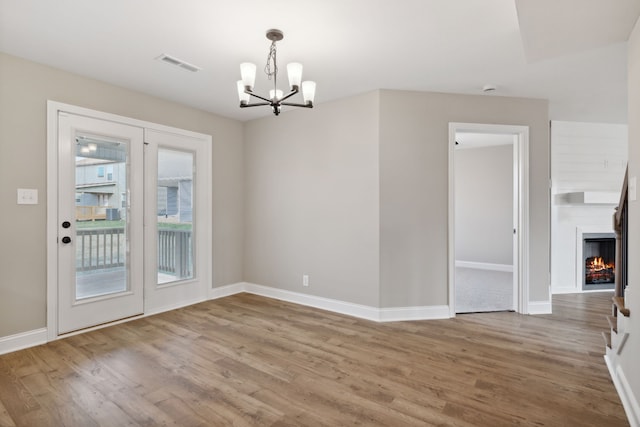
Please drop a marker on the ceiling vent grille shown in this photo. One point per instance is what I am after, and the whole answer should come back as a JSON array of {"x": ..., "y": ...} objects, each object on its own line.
[{"x": 178, "y": 62}]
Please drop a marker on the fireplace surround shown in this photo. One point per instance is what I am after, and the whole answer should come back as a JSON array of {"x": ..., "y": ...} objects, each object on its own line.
[{"x": 598, "y": 261}]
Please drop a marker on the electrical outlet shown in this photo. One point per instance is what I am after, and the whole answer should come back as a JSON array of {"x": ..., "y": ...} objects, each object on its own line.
[{"x": 305, "y": 280}]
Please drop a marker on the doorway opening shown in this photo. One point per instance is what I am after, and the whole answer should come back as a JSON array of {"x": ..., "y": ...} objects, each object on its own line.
[{"x": 488, "y": 227}]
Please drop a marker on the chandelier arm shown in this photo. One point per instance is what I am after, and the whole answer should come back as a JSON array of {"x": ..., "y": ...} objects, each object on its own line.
[
  {"x": 293, "y": 104},
  {"x": 257, "y": 104},
  {"x": 268, "y": 101},
  {"x": 290, "y": 94}
]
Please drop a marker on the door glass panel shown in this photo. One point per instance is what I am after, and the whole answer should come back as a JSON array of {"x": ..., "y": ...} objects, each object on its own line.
[
  {"x": 175, "y": 215},
  {"x": 101, "y": 216}
]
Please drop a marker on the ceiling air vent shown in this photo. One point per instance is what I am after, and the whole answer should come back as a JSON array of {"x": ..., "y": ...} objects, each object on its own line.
[{"x": 178, "y": 62}]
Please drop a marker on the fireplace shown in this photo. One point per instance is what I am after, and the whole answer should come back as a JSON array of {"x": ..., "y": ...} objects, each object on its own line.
[{"x": 599, "y": 257}]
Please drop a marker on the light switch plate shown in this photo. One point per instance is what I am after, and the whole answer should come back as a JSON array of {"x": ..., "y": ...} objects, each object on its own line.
[{"x": 27, "y": 196}]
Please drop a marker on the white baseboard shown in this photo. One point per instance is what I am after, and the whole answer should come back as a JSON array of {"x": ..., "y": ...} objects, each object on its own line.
[
  {"x": 391, "y": 314},
  {"x": 539, "y": 307},
  {"x": 337, "y": 306},
  {"x": 227, "y": 290},
  {"x": 566, "y": 290},
  {"x": 23, "y": 340},
  {"x": 400, "y": 314},
  {"x": 485, "y": 266},
  {"x": 627, "y": 397}
]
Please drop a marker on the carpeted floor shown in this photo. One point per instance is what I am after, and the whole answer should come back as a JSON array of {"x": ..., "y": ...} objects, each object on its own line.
[{"x": 483, "y": 290}]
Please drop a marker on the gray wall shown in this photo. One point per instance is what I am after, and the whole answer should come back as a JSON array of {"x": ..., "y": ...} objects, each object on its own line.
[
  {"x": 25, "y": 88},
  {"x": 484, "y": 204},
  {"x": 312, "y": 200},
  {"x": 355, "y": 195},
  {"x": 629, "y": 356},
  {"x": 414, "y": 190}
]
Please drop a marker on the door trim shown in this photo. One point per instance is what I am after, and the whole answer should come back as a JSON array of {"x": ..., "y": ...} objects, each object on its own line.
[
  {"x": 53, "y": 108},
  {"x": 521, "y": 261}
]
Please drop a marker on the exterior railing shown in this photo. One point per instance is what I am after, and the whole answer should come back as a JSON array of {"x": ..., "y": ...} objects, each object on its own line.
[
  {"x": 174, "y": 253},
  {"x": 102, "y": 248}
]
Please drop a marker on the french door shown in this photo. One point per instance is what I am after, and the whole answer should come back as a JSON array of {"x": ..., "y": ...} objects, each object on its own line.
[
  {"x": 100, "y": 221},
  {"x": 129, "y": 218}
]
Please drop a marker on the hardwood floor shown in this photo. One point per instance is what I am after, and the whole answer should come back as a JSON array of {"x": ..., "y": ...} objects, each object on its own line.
[{"x": 246, "y": 360}]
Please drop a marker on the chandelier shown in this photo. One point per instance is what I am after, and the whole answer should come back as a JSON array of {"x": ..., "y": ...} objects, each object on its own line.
[{"x": 276, "y": 97}]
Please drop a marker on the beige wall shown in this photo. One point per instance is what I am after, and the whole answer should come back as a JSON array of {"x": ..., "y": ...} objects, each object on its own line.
[
  {"x": 312, "y": 200},
  {"x": 25, "y": 88},
  {"x": 414, "y": 189},
  {"x": 629, "y": 357}
]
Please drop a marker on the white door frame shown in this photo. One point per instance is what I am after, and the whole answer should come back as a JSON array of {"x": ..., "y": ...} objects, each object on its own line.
[
  {"x": 521, "y": 210},
  {"x": 204, "y": 227}
]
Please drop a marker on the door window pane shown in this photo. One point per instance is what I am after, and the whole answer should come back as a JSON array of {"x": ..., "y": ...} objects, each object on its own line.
[
  {"x": 175, "y": 215},
  {"x": 101, "y": 220}
]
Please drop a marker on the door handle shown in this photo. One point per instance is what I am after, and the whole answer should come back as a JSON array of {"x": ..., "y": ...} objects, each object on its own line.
[{"x": 66, "y": 240}]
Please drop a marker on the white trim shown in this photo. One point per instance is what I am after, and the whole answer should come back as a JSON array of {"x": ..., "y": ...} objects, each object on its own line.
[
  {"x": 539, "y": 307},
  {"x": 627, "y": 397},
  {"x": 485, "y": 266},
  {"x": 337, "y": 306},
  {"x": 521, "y": 261},
  {"x": 402, "y": 314},
  {"x": 391, "y": 314},
  {"x": 23, "y": 340},
  {"x": 52, "y": 215},
  {"x": 565, "y": 290},
  {"x": 227, "y": 290}
]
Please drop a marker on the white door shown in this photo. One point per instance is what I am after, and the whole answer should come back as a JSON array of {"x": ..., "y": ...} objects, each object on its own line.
[
  {"x": 177, "y": 219},
  {"x": 99, "y": 221}
]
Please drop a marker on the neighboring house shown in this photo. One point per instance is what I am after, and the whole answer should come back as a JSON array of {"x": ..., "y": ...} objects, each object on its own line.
[{"x": 101, "y": 185}]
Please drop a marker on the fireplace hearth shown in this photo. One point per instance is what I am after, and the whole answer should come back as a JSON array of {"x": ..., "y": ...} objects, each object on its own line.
[{"x": 599, "y": 254}]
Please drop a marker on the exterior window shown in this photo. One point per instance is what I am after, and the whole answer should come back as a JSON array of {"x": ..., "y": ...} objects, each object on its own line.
[
  {"x": 78, "y": 197},
  {"x": 109, "y": 173},
  {"x": 100, "y": 171}
]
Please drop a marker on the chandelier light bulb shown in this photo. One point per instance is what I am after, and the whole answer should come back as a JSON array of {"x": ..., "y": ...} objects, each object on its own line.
[
  {"x": 308, "y": 92},
  {"x": 278, "y": 94},
  {"x": 248, "y": 73},
  {"x": 244, "y": 97},
  {"x": 294, "y": 71}
]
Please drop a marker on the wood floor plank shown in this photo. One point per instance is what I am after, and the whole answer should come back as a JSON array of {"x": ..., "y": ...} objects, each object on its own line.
[{"x": 246, "y": 360}]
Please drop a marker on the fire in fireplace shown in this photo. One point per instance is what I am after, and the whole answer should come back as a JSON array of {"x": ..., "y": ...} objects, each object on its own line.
[{"x": 599, "y": 251}]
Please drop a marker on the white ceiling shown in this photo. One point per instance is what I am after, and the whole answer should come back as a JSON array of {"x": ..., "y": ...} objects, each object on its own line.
[{"x": 572, "y": 52}]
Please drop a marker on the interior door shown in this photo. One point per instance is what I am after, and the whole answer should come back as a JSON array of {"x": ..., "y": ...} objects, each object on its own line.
[{"x": 100, "y": 221}]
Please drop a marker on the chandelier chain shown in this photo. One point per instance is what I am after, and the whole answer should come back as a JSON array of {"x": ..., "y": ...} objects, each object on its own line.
[{"x": 268, "y": 69}]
